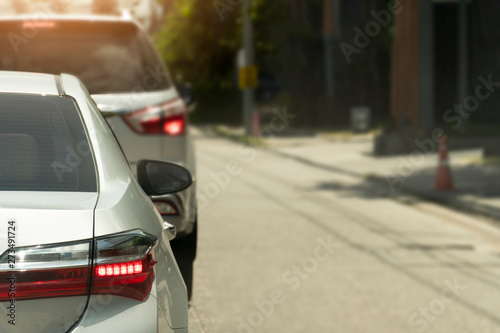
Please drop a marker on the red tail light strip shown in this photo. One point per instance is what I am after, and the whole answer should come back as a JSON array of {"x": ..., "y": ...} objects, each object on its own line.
[
  {"x": 175, "y": 125},
  {"x": 21, "y": 285},
  {"x": 115, "y": 279},
  {"x": 119, "y": 269},
  {"x": 45, "y": 271},
  {"x": 168, "y": 118},
  {"x": 123, "y": 266}
]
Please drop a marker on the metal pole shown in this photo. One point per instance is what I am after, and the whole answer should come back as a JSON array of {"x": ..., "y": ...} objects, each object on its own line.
[
  {"x": 248, "y": 93},
  {"x": 463, "y": 55}
]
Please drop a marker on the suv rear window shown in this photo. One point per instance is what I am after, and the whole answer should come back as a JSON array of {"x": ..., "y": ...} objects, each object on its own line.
[
  {"x": 43, "y": 145},
  {"x": 109, "y": 57}
]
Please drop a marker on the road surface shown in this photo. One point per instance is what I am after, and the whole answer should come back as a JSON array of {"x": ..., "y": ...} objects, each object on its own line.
[{"x": 287, "y": 247}]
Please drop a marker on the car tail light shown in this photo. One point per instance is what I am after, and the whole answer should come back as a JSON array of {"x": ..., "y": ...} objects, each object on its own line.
[
  {"x": 45, "y": 271},
  {"x": 35, "y": 24},
  {"x": 165, "y": 208},
  {"x": 123, "y": 265},
  {"x": 167, "y": 118}
]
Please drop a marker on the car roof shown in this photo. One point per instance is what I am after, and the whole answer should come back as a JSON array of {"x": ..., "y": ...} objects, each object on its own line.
[
  {"x": 41, "y": 16},
  {"x": 28, "y": 83}
]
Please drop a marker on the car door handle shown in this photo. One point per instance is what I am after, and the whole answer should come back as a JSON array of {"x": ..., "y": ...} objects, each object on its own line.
[{"x": 170, "y": 229}]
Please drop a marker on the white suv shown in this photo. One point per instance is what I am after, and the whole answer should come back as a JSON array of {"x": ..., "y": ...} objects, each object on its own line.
[{"x": 126, "y": 77}]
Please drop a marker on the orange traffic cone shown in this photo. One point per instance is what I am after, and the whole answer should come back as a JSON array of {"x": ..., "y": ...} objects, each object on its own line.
[
  {"x": 444, "y": 181},
  {"x": 255, "y": 124}
]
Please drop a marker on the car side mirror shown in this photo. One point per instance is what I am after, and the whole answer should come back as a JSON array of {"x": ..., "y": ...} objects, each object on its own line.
[
  {"x": 186, "y": 93},
  {"x": 158, "y": 177}
]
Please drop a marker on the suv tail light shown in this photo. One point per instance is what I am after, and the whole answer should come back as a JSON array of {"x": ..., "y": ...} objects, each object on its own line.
[
  {"x": 167, "y": 118},
  {"x": 122, "y": 265}
]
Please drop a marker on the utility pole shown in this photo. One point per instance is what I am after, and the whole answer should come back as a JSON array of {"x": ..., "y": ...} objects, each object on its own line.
[{"x": 248, "y": 91}]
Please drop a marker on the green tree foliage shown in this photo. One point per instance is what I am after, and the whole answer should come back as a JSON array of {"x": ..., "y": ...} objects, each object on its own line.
[
  {"x": 201, "y": 49},
  {"x": 201, "y": 38},
  {"x": 288, "y": 39}
]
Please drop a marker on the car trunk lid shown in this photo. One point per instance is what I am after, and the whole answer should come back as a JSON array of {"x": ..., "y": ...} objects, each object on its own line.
[
  {"x": 45, "y": 264},
  {"x": 110, "y": 104}
]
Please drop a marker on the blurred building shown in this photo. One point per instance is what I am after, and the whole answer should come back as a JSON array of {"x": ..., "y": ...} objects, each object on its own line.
[
  {"x": 357, "y": 65},
  {"x": 445, "y": 67},
  {"x": 441, "y": 51},
  {"x": 422, "y": 61}
]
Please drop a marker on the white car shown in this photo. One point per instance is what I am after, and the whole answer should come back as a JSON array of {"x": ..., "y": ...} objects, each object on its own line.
[
  {"x": 117, "y": 62},
  {"x": 83, "y": 249}
]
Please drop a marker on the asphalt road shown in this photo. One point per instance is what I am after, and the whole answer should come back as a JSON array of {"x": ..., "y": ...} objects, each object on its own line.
[{"x": 287, "y": 247}]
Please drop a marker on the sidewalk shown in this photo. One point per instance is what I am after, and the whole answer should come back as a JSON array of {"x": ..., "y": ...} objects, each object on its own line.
[{"x": 478, "y": 185}]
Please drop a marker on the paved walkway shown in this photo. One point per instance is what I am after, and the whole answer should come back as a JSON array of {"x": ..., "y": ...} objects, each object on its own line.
[{"x": 478, "y": 185}]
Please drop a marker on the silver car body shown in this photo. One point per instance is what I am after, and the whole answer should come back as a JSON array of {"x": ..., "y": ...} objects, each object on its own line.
[
  {"x": 178, "y": 149},
  {"x": 117, "y": 106},
  {"x": 56, "y": 217}
]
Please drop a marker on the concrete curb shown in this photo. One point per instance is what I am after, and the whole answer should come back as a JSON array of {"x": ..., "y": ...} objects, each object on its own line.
[{"x": 460, "y": 204}]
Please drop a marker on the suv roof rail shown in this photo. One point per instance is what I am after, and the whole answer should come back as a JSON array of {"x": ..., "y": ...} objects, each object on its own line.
[{"x": 60, "y": 87}]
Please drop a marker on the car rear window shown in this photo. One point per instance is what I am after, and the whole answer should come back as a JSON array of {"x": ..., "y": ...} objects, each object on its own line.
[
  {"x": 109, "y": 57},
  {"x": 43, "y": 145}
]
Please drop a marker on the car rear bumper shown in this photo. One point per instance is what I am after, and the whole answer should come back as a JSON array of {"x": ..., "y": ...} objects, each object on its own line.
[
  {"x": 119, "y": 314},
  {"x": 107, "y": 313}
]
